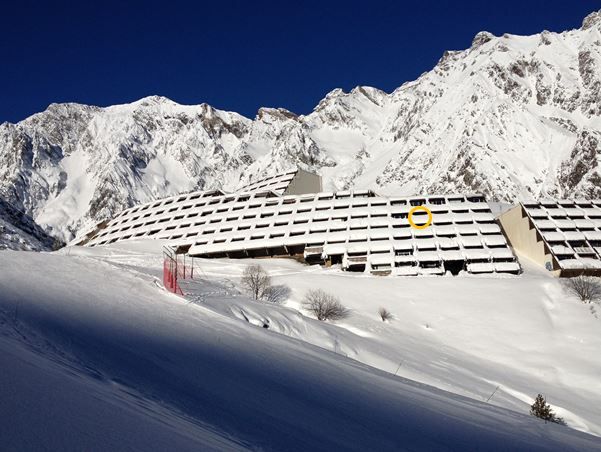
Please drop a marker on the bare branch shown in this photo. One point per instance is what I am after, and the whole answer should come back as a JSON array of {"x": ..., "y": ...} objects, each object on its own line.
[
  {"x": 256, "y": 281},
  {"x": 586, "y": 288},
  {"x": 277, "y": 294},
  {"x": 385, "y": 314},
  {"x": 324, "y": 306}
]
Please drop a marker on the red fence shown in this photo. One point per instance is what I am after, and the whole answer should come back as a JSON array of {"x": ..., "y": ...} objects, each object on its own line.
[{"x": 175, "y": 268}]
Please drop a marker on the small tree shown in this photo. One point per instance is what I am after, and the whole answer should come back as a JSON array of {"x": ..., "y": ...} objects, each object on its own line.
[
  {"x": 586, "y": 288},
  {"x": 541, "y": 409},
  {"x": 256, "y": 281},
  {"x": 324, "y": 306},
  {"x": 385, "y": 314}
]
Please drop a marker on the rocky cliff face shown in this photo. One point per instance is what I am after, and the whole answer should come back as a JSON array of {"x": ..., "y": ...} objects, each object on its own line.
[{"x": 510, "y": 117}]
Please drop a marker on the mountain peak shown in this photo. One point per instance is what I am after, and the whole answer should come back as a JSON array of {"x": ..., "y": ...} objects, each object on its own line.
[
  {"x": 481, "y": 37},
  {"x": 278, "y": 113},
  {"x": 154, "y": 100},
  {"x": 592, "y": 20}
]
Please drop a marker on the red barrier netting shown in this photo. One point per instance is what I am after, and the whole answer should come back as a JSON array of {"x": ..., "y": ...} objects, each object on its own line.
[{"x": 175, "y": 269}]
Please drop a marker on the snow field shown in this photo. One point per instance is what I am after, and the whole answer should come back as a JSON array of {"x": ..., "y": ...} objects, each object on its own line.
[{"x": 88, "y": 333}]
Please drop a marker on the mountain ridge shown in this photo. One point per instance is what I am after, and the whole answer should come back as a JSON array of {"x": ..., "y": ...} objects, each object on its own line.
[{"x": 511, "y": 117}]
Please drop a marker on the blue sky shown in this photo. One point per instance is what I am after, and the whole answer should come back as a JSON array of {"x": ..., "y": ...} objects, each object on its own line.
[{"x": 240, "y": 55}]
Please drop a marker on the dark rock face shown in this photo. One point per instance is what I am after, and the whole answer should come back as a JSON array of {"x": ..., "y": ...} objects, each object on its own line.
[
  {"x": 18, "y": 231},
  {"x": 592, "y": 20},
  {"x": 580, "y": 172}
]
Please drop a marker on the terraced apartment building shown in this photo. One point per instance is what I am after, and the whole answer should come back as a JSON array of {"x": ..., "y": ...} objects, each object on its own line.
[
  {"x": 564, "y": 236},
  {"x": 289, "y": 215}
]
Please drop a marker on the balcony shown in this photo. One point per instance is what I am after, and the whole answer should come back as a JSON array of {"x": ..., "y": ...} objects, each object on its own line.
[
  {"x": 357, "y": 260},
  {"x": 584, "y": 250},
  {"x": 313, "y": 250}
]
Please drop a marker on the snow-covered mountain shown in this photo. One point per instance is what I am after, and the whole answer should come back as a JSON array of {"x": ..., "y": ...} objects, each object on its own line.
[{"x": 510, "y": 117}]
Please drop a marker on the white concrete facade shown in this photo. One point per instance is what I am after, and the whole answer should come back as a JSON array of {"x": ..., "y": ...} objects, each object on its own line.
[{"x": 357, "y": 229}]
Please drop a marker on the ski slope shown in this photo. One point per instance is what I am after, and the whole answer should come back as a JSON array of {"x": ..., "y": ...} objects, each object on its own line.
[{"x": 95, "y": 355}]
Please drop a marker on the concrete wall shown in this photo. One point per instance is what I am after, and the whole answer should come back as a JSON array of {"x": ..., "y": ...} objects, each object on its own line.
[
  {"x": 304, "y": 182},
  {"x": 523, "y": 237}
]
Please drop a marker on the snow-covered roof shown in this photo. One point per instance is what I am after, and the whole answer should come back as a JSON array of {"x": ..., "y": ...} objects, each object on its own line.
[
  {"x": 570, "y": 228},
  {"x": 355, "y": 222}
]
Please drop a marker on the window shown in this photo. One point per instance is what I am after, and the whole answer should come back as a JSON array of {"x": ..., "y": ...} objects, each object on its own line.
[{"x": 437, "y": 201}]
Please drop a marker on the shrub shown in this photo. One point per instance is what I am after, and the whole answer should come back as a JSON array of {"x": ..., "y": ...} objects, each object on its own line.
[
  {"x": 256, "y": 281},
  {"x": 276, "y": 294},
  {"x": 541, "y": 409},
  {"x": 586, "y": 288},
  {"x": 324, "y": 306},
  {"x": 385, "y": 314}
]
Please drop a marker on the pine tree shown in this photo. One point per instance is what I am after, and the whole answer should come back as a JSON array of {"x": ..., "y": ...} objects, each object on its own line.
[{"x": 541, "y": 409}]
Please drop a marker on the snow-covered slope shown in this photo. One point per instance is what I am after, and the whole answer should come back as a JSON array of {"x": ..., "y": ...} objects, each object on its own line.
[
  {"x": 512, "y": 116},
  {"x": 94, "y": 366}
]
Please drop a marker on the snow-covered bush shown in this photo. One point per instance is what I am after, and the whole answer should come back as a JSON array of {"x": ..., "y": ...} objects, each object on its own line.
[
  {"x": 586, "y": 288},
  {"x": 385, "y": 314},
  {"x": 541, "y": 409},
  {"x": 324, "y": 306},
  {"x": 256, "y": 281}
]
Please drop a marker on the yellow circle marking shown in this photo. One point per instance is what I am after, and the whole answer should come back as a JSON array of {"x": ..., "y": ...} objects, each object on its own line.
[{"x": 420, "y": 226}]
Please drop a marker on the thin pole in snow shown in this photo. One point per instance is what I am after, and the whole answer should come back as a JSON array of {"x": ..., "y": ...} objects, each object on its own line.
[
  {"x": 493, "y": 393},
  {"x": 397, "y": 369}
]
